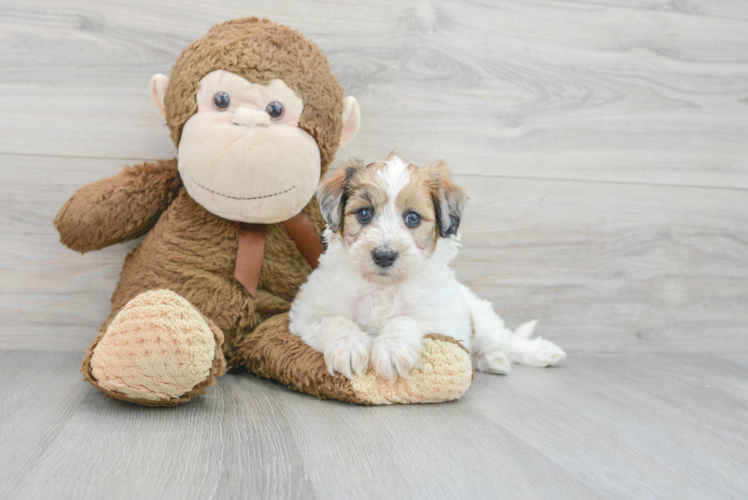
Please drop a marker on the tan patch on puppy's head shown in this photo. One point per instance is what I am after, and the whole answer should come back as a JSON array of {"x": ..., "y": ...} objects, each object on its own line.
[
  {"x": 391, "y": 156},
  {"x": 335, "y": 192},
  {"x": 391, "y": 214},
  {"x": 365, "y": 191},
  {"x": 449, "y": 200},
  {"x": 417, "y": 196}
]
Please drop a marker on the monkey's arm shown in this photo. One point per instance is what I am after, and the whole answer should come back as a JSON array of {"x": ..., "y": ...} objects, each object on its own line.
[{"x": 118, "y": 208}]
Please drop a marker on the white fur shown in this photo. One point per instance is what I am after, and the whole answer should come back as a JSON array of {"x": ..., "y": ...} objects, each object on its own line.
[{"x": 358, "y": 320}]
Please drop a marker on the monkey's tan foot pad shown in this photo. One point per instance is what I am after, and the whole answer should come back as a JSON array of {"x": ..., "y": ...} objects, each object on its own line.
[
  {"x": 273, "y": 352},
  {"x": 157, "y": 351},
  {"x": 444, "y": 375}
]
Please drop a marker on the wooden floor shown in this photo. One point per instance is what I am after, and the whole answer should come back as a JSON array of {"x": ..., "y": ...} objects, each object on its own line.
[
  {"x": 604, "y": 145},
  {"x": 612, "y": 426}
]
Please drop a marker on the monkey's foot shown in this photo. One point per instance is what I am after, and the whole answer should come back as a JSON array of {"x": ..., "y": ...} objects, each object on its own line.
[
  {"x": 157, "y": 351},
  {"x": 272, "y": 351},
  {"x": 444, "y": 374}
]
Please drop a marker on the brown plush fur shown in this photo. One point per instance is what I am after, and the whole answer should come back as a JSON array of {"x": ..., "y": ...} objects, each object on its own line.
[
  {"x": 261, "y": 51},
  {"x": 273, "y": 352},
  {"x": 191, "y": 251},
  {"x": 118, "y": 208}
]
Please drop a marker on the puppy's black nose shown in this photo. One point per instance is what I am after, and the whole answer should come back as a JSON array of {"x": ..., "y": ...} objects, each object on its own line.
[{"x": 384, "y": 258}]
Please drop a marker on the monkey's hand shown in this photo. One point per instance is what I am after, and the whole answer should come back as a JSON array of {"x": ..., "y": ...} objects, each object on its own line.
[{"x": 118, "y": 208}]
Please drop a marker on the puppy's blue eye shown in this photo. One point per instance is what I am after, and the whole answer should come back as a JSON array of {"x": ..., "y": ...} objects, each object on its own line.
[
  {"x": 221, "y": 101},
  {"x": 364, "y": 216},
  {"x": 412, "y": 219}
]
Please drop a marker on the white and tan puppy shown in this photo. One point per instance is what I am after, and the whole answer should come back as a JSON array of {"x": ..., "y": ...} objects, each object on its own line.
[{"x": 384, "y": 281}]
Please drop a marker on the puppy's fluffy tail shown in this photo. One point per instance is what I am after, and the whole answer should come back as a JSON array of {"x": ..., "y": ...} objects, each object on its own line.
[{"x": 525, "y": 350}]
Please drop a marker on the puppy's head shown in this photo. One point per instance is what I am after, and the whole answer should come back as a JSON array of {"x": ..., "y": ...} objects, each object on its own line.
[{"x": 390, "y": 214}]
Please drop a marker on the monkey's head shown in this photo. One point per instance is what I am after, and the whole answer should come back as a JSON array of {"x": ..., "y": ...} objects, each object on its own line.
[{"x": 257, "y": 116}]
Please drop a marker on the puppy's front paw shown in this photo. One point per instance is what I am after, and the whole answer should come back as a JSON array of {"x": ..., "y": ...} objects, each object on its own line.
[
  {"x": 348, "y": 355},
  {"x": 395, "y": 355}
]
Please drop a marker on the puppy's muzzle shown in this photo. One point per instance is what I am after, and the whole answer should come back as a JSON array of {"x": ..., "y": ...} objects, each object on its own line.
[{"x": 384, "y": 257}]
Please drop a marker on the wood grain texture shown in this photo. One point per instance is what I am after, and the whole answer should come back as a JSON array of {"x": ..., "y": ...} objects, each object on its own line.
[
  {"x": 605, "y": 267},
  {"x": 604, "y": 144},
  {"x": 729, "y": 9},
  {"x": 578, "y": 127},
  {"x": 621, "y": 426},
  {"x": 542, "y": 89}
]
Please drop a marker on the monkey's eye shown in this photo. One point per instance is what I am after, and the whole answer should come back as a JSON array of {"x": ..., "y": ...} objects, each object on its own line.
[
  {"x": 364, "y": 216},
  {"x": 412, "y": 219},
  {"x": 275, "y": 110},
  {"x": 221, "y": 101}
]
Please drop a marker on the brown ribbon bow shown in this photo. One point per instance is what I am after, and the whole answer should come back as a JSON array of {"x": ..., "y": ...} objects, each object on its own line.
[{"x": 252, "y": 248}]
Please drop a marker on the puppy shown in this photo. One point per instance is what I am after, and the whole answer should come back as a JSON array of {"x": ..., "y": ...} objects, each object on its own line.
[{"x": 384, "y": 281}]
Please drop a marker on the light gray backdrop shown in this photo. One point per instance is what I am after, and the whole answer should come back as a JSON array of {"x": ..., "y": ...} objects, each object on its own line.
[{"x": 604, "y": 145}]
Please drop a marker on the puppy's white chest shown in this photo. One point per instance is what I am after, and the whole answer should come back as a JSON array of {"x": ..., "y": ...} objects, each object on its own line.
[{"x": 372, "y": 310}]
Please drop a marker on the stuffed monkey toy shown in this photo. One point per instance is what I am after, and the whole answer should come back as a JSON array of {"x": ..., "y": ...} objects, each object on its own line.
[{"x": 231, "y": 230}]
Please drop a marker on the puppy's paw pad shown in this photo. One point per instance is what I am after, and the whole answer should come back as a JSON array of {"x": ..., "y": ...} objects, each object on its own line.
[
  {"x": 393, "y": 356},
  {"x": 348, "y": 356}
]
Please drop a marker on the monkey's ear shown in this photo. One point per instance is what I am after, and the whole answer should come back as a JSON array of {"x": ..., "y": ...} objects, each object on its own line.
[
  {"x": 159, "y": 84},
  {"x": 351, "y": 120},
  {"x": 449, "y": 200},
  {"x": 331, "y": 194}
]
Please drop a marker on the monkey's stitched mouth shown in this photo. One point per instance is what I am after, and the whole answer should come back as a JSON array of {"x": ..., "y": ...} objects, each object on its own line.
[{"x": 239, "y": 198}]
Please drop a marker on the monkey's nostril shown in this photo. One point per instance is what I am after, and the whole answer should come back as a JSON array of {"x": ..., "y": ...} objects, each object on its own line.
[{"x": 384, "y": 258}]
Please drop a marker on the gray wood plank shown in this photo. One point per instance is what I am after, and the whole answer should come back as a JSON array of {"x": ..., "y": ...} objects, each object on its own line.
[
  {"x": 611, "y": 268},
  {"x": 730, "y": 9},
  {"x": 642, "y": 427},
  {"x": 606, "y": 267},
  {"x": 613, "y": 426},
  {"x": 544, "y": 89},
  {"x": 39, "y": 393},
  {"x": 234, "y": 444}
]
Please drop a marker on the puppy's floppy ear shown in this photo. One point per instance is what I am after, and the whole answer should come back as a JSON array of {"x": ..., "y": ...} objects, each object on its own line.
[
  {"x": 331, "y": 194},
  {"x": 449, "y": 200}
]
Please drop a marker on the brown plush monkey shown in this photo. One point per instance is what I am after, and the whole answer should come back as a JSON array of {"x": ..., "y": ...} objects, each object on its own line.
[{"x": 231, "y": 229}]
